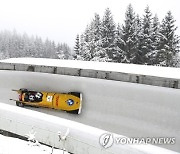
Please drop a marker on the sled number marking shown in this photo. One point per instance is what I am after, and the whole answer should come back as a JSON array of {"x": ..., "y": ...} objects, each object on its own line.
[{"x": 49, "y": 98}]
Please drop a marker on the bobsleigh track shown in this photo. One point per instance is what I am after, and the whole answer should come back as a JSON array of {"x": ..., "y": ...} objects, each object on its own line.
[{"x": 129, "y": 109}]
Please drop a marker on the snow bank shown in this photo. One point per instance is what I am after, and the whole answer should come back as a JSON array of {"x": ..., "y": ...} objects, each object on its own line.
[{"x": 10, "y": 145}]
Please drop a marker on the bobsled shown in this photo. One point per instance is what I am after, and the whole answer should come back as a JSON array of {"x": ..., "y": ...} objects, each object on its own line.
[{"x": 70, "y": 102}]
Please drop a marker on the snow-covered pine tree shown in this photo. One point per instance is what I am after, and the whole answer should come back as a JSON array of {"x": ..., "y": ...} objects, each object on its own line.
[
  {"x": 153, "y": 55},
  {"x": 91, "y": 41},
  {"x": 128, "y": 34},
  {"x": 59, "y": 51},
  {"x": 47, "y": 50},
  {"x": 98, "y": 53},
  {"x": 67, "y": 52},
  {"x": 81, "y": 47},
  {"x": 15, "y": 40},
  {"x": 76, "y": 48},
  {"x": 53, "y": 51},
  {"x": 146, "y": 39},
  {"x": 26, "y": 46},
  {"x": 119, "y": 55},
  {"x": 4, "y": 44},
  {"x": 136, "y": 56},
  {"x": 96, "y": 28},
  {"x": 63, "y": 51},
  {"x": 169, "y": 41},
  {"x": 50, "y": 49},
  {"x": 85, "y": 48},
  {"x": 108, "y": 33},
  {"x": 38, "y": 47}
]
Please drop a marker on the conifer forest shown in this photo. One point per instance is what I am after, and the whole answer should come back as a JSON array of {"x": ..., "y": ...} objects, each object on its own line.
[{"x": 138, "y": 39}]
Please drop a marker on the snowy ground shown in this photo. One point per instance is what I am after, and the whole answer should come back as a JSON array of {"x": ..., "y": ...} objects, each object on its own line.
[{"x": 9, "y": 145}]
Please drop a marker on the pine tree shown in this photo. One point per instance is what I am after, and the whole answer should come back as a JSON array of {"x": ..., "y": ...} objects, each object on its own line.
[
  {"x": 96, "y": 28},
  {"x": 67, "y": 51},
  {"x": 82, "y": 44},
  {"x": 119, "y": 55},
  {"x": 96, "y": 42},
  {"x": 63, "y": 51},
  {"x": 77, "y": 48},
  {"x": 136, "y": 56},
  {"x": 94, "y": 36},
  {"x": 98, "y": 53},
  {"x": 146, "y": 40},
  {"x": 85, "y": 47},
  {"x": 169, "y": 41},
  {"x": 108, "y": 33},
  {"x": 128, "y": 34},
  {"x": 39, "y": 47},
  {"x": 91, "y": 41},
  {"x": 153, "y": 54}
]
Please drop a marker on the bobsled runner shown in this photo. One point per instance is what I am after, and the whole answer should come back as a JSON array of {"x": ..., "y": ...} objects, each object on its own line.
[{"x": 70, "y": 102}]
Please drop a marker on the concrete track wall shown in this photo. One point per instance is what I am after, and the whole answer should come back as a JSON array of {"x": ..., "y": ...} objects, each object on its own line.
[{"x": 108, "y": 75}]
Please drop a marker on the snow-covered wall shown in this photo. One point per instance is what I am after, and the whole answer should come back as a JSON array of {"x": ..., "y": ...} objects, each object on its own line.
[
  {"x": 81, "y": 139},
  {"x": 150, "y": 75}
]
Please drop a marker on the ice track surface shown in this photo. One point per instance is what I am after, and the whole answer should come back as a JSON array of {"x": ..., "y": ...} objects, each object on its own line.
[{"x": 128, "y": 109}]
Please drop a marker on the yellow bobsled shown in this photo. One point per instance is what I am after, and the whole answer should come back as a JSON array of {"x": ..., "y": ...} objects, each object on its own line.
[{"x": 70, "y": 102}]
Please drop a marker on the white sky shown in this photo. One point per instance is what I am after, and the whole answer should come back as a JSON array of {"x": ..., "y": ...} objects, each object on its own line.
[{"x": 62, "y": 20}]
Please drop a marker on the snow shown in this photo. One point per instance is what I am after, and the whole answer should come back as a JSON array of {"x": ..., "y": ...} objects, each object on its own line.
[
  {"x": 10, "y": 145},
  {"x": 167, "y": 72}
]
